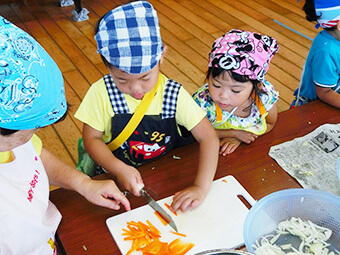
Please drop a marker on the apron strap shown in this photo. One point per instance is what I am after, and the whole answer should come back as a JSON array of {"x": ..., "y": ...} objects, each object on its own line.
[
  {"x": 119, "y": 105},
  {"x": 135, "y": 119},
  {"x": 259, "y": 104},
  {"x": 170, "y": 99},
  {"x": 218, "y": 113}
]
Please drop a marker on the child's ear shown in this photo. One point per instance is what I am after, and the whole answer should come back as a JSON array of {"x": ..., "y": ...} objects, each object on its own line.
[{"x": 165, "y": 49}]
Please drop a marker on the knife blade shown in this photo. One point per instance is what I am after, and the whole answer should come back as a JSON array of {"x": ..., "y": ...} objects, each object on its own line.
[{"x": 154, "y": 205}]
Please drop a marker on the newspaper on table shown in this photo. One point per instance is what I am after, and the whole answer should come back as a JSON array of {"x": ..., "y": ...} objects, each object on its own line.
[{"x": 312, "y": 159}]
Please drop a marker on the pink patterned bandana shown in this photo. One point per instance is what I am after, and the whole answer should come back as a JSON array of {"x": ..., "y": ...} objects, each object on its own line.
[{"x": 244, "y": 53}]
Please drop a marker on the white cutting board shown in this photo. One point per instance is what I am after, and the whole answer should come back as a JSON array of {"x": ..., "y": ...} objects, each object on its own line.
[{"x": 216, "y": 223}]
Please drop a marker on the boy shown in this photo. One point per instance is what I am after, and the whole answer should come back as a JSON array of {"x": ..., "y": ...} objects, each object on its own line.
[
  {"x": 131, "y": 47},
  {"x": 321, "y": 74},
  {"x": 32, "y": 96}
]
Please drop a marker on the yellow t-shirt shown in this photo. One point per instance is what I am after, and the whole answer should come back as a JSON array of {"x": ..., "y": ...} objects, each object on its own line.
[
  {"x": 7, "y": 156},
  {"x": 96, "y": 110}
]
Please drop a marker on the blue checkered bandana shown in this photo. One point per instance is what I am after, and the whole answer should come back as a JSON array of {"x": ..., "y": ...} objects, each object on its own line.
[
  {"x": 129, "y": 37},
  {"x": 329, "y": 10},
  {"x": 31, "y": 85}
]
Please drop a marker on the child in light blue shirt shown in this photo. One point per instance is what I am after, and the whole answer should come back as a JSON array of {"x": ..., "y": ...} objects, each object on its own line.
[{"x": 321, "y": 74}]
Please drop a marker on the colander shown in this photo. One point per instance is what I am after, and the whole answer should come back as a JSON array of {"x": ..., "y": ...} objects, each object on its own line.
[
  {"x": 224, "y": 252},
  {"x": 338, "y": 168},
  {"x": 320, "y": 207}
]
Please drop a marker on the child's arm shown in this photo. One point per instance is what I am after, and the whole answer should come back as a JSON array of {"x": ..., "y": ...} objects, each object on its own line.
[
  {"x": 126, "y": 175},
  {"x": 240, "y": 135},
  {"x": 103, "y": 193},
  {"x": 271, "y": 118},
  {"x": 231, "y": 139},
  {"x": 208, "y": 157},
  {"x": 328, "y": 96}
]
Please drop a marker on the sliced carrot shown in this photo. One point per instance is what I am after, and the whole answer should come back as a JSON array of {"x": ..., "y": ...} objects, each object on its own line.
[
  {"x": 155, "y": 247},
  {"x": 161, "y": 218},
  {"x": 179, "y": 234},
  {"x": 180, "y": 247},
  {"x": 153, "y": 228},
  {"x": 225, "y": 181},
  {"x": 168, "y": 206},
  {"x": 146, "y": 238}
]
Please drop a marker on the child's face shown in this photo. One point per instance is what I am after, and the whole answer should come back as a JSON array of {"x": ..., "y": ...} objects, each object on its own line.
[
  {"x": 135, "y": 85},
  {"x": 228, "y": 93},
  {"x": 8, "y": 143}
]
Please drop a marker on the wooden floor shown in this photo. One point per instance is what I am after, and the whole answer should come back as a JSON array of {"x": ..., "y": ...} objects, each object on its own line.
[{"x": 188, "y": 27}]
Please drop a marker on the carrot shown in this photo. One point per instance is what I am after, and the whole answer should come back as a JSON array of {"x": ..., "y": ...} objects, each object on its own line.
[
  {"x": 155, "y": 247},
  {"x": 180, "y": 247},
  {"x": 146, "y": 238},
  {"x": 179, "y": 234},
  {"x": 161, "y": 218},
  {"x": 225, "y": 181},
  {"x": 168, "y": 206}
]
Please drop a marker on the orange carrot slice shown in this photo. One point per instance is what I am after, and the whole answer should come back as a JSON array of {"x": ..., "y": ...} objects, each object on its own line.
[
  {"x": 179, "y": 234},
  {"x": 161, "y": 218},
  {"x": 146, "y": 238},
  {"x": 180, "y": 247},
  {"x": 155, "y": 247},
  {"x": 168, "y": 206}
]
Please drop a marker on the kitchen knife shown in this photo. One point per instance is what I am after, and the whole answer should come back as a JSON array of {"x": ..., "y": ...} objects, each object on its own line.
[{"x": 154, "y": 205}]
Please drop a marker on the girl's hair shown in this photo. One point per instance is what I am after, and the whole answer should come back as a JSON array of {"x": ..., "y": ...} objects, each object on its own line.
[
  {"x": 8, "y": 132},
  {"x": 309, "y": 9},
  {"x": 216, "y": 71}
]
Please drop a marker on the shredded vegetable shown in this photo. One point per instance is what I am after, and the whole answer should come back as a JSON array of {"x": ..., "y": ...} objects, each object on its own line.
[
  {"x": 179, "y": 234},
  {"x": 146, "y": 238},
  {"x": 168, "y": 206},
  {"x": 310, "y": 239}
]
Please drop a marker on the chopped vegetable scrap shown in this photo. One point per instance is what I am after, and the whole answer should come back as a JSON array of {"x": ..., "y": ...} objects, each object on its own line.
[
  {"x": 307, "y": 173},
  {"x": 145, "y": 238},
  {"x": 176, "y": 157},
  {"x": 168, "y": 206},
  {"x": 296, "y": 237},
  {"x": 225, "y": 181},
  {"x": 179, "y": 234}
]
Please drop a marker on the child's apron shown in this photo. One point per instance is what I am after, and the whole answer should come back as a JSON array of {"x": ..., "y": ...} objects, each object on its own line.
[
  {"x": 257, "y": 129},
  {"x": 30, "y": 220},
  {"x": 155, "y": 135}
]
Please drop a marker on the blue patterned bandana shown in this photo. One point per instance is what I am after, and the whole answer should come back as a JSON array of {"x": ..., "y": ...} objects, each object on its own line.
[
  {"x": 31, "y": 85},
  {"x": 129, "y": 37},
  {"x": 329, "y": 10}
]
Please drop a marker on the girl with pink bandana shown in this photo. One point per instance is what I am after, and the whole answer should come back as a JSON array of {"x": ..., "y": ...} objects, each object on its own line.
[
  {"x": 321, "y": 73},
  {"x": 239, "y": 102}
]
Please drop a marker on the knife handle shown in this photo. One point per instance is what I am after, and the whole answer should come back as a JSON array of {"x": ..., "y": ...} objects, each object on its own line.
[{"x": 140, "y": 186}]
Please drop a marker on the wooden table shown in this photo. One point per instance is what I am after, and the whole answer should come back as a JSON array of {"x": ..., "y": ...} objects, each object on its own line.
[{"x": 83, "y": 229}]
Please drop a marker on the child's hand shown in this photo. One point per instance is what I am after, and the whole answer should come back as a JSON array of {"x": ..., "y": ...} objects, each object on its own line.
[
  {"x": 228, "y": 145},
  {"x": 104, "y": 193},
  {"x": 129, "y": 177},
  {"x": 188, "y": 198}
]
